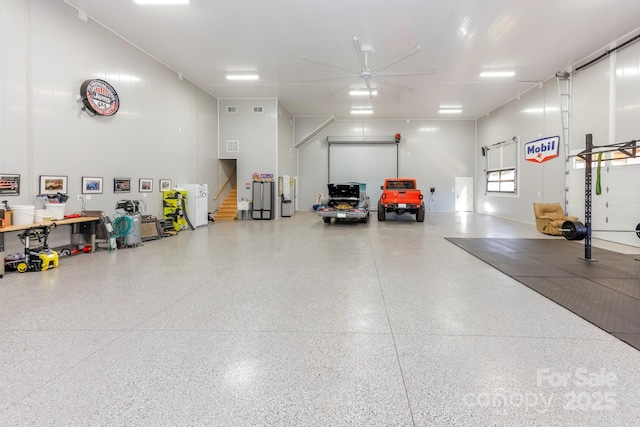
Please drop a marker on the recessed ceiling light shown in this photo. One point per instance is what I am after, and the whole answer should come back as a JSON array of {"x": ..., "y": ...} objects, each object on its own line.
[
  {"x": 362, "y": 111},
  {"x": 505, "y": 73},
  {"x": 162, "y": 1},
  {"x": 362, "y": 92},
  {"x": 242, "y": 77},
  {"x": 450, "y": 111}
]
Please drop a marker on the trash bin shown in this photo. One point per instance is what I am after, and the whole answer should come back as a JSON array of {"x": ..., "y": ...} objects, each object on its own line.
[
  {"x": 244, "y": 209},
  {"x": 286, "y": 208}
]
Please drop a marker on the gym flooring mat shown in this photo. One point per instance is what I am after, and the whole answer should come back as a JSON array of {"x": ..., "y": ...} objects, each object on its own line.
[{"x": 605, "y": 293}]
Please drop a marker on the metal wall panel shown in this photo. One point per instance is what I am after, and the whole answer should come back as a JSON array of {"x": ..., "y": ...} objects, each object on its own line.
[
  {"x": 590, "y": 105},
  {"x": 257, "y": 136},
  {"x": 627, "y": 81},
  {"x": 432, "y": 151},
  {"x": 165, "y": 127},
  {"x": 604, "y": 104},
  {"x": 526, "y": 118}
]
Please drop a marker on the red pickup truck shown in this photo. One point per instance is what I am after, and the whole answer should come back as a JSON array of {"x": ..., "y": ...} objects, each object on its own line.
[{"x": 401, "y": 195}]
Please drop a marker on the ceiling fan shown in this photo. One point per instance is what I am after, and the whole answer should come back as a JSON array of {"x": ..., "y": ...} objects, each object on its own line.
[{"x": 367, "y": 74}]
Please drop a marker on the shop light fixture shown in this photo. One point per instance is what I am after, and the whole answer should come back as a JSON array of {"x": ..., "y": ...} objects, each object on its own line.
[
  {"x": 498, "y": 73},
  {"x": 242, "y": 77},
  {"x": 450, "y": 110},
  {"x": 361, "y": 111},
  {"x": 362, "y": 92},
  {"x": 162, "y": 1}
]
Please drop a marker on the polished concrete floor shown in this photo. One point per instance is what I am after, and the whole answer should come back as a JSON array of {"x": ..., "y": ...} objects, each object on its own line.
[{"x": 294, "y": 322}]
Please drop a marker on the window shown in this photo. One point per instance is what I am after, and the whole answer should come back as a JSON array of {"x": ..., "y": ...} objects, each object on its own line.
[
  {"x": 578, "y": 163},
  {"x": 617, "y": 158},
  {"x": 501, "y": 167},
  {"x": 501, "y": 181}
]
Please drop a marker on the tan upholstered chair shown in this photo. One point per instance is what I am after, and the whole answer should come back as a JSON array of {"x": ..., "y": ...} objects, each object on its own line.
[{"x": 549, "y": 218}]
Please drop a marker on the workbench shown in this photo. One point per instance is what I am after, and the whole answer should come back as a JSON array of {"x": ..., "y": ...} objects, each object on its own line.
[{"x": 75, "y": 223}]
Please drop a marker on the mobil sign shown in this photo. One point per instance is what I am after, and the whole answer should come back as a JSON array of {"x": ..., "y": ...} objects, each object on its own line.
[{"x": 542, "y": 149}]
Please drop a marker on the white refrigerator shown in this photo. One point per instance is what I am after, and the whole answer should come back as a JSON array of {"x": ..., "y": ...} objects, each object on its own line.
[{"x": 197, "y": 203}]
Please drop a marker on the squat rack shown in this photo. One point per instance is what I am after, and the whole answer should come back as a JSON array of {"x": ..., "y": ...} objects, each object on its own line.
[{"x": 629, "y": 148}]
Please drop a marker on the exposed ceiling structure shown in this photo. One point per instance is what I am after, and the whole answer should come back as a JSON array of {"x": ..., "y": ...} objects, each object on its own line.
[{"x": 456, "y": 40}]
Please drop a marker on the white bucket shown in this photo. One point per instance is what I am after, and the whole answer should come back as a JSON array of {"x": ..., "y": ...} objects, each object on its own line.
[
  {"x": 42, "y": 216},
  {"x": 22, "y": 214},
  {"x": 57, "y": 209}
]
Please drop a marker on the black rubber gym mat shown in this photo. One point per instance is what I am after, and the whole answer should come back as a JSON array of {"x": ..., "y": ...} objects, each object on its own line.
[{"x": 606, "y": 292}]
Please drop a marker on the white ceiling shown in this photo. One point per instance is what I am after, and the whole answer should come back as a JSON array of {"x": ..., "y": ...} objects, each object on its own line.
[{"x": 209, "y": 38}]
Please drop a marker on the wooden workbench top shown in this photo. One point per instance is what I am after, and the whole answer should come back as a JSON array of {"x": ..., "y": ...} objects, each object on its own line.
[{"x": 65, "y": 221}]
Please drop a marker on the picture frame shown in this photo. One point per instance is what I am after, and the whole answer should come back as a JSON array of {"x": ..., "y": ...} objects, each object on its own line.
[
  {"x": 146, "y": 185},
  {"x": 53, "y": 184},
  {"x": 121, "y": 185},
  {"x": 9, "y": 184},
  {"x": 92, "y": 185},
  {"x": 165, "y": 184}
]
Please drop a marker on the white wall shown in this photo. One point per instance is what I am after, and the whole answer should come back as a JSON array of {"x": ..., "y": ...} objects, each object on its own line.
[
  {"x": 607, "y": 97},
  {"x": 287, "y": 155},
  {"x": 165, "y": 128},
  {"x": 604, "y": 104},
  {"x": 257, "y": 134},
  {"x": 534, "y": 115},
  {"x": 432, "y": 151},
  {"x": 305, "y": 126}
]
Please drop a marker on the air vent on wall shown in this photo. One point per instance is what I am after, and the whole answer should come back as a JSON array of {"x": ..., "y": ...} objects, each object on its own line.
[
  {"x": 257, "y": 109},
  {"x": 232, "y": 109},
  {"x": 233, "y": 146}
]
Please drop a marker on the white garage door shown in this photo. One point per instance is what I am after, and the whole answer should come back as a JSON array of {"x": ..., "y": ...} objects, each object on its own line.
[{"x": 361, "y": 162}]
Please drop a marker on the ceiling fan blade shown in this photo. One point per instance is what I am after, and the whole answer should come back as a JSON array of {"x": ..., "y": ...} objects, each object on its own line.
[
  {"x": 337, "y": 76},
  {"x": 328, "y": 65},
  {"x": 410, "y": 73},
  {"x": 356, "y": 45},
  {"x": 398, "y": 59},
  {"x": 392, "y": 84},
  {"x": 369, "y": 88}
]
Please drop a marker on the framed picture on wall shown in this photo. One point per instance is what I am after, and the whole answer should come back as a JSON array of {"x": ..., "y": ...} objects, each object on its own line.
[
  {"x": 121, "y": 185},
  {"x": 165, "y": 184},
  {"x": 146, "y": 185},
  {"x": 91, "y": 185},
  {"x": 53, "y": 184},
  {"x": 9, "y": 184}
]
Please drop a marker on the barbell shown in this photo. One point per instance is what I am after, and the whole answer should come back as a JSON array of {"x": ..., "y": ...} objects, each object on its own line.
[{"x": 575, "y": 230}]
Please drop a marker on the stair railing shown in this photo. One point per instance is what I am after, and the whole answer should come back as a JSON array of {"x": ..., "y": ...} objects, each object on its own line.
[{"x": 232, "y": 174}]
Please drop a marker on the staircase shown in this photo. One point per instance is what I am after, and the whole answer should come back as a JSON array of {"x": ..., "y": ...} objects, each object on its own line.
[{"x": 229, "y": 209}]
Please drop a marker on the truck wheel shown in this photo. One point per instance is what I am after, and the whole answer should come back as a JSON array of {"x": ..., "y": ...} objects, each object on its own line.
[
  {"x": 420, "y": 214},
  {"x": 381, "y": 212},
  {"x": 327, "y": 220}
]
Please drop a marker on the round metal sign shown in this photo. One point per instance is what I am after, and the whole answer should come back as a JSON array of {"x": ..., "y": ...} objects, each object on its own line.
[{"x": 99, "y": 97}]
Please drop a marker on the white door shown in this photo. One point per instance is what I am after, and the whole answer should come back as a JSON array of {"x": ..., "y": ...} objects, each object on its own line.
[{"x": 464, "y": 194}]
